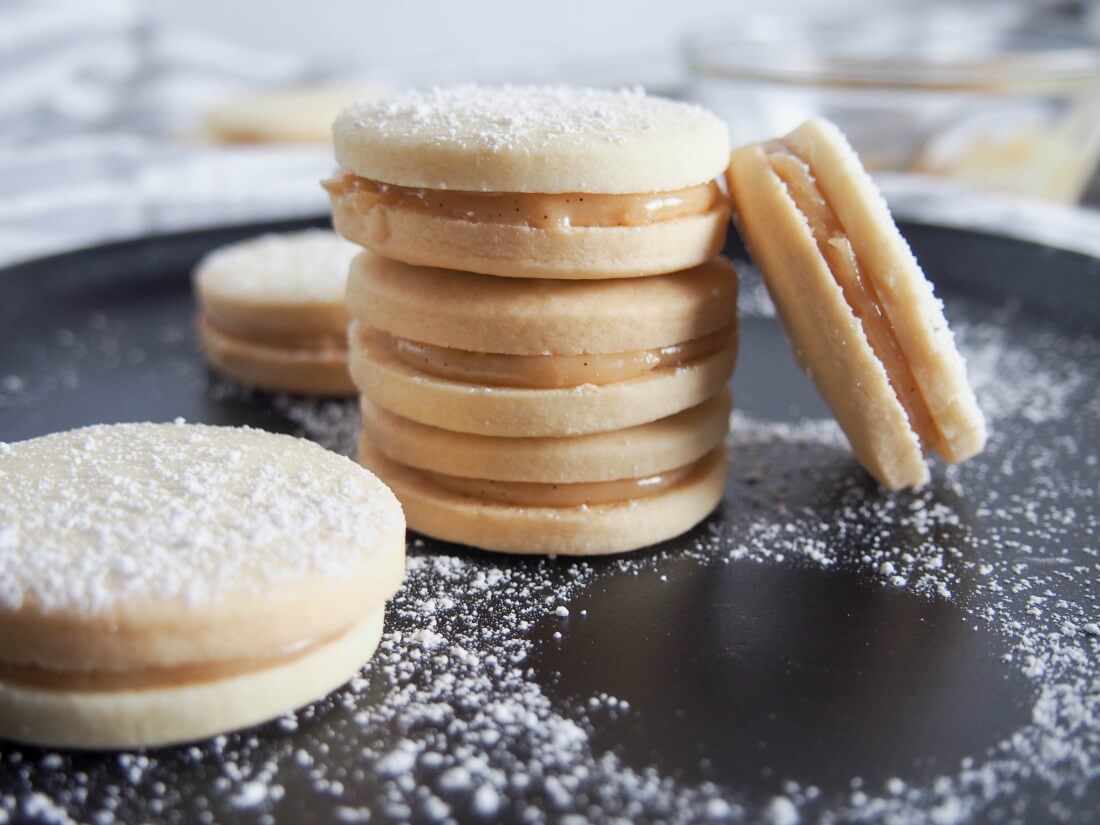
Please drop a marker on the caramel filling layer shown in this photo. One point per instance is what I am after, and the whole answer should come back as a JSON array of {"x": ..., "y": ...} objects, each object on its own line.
[
  {"x": 541, "y": 211},
  {"x": 288, "y": 338},
  {"x": 530, "y": 494},
  {"x": 855, "y": 282},
  {"x": 47, "y": 678},
  {"x": 542, "y": 371}
]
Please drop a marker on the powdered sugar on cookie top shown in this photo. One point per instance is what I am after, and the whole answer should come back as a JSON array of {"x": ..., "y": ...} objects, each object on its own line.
[
  {"x": 127, "y": 513},
  {"x": 521, "y": 116},
  {"x": 522, "y": 139},
  {"x": 298, "y": 267}
]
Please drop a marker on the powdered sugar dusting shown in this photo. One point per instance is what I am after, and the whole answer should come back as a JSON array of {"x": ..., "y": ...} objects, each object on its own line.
[
  {"x": 1045, "y": 387},
  {"x": 525, "y": 117},
  {"x": 532, "y": 139},
  {"x": 753, "y": 299},
  {"x": 454, "y": 717},
  {"x": 332, "y": 424},
  {"x": 175, "y": 511}
]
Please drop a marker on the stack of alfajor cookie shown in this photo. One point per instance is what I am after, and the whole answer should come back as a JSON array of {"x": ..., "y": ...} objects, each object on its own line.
[{"x": 542, "y": 334}]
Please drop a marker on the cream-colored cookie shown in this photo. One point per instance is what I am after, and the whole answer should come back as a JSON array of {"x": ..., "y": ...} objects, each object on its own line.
[
  {"x": 515, "y": 251},
  {"x": 532, "y": 181},
  {"x": 165, "y": 582},
  {"x": 617, "y": 518},
  {"x": 519, "y": 411},
  {"x": 301, "y": 114},
  {"x": 480, "y": 313},
  {"x": 634, "y": 452},
  {"x": 532, "y": 139},
  {"x": 862, "y": 317},
  {"x": 272, "y": 311}
]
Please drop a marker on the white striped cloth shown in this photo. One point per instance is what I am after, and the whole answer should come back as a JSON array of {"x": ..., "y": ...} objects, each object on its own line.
[
  {"x": 97, "y": 98},
  {"x": 95, "y": 104}
]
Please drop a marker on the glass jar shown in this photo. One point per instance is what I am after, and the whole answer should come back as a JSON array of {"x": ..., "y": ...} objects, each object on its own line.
[{"x": 995, "y": 95}]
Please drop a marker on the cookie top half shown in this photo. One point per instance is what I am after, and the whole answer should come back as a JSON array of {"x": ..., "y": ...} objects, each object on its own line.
[
  {"x": 277, "y": 270},
  {"x": 545, "y": 139},
  {"x": 154, "y": 545},
  {"x": 482, "y": 313}
]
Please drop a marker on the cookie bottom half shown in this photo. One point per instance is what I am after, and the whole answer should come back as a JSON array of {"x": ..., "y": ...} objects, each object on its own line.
[
  {"x": 573, "y": 253},
  {"x": 275, "y": 369},
  {"x": 108, "y": 719},
  {"x": 576, "y": 531},
  {"x": 511, "y": 412}
]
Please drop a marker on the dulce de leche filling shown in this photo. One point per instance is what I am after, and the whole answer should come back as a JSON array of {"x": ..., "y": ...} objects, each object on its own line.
[
  {"x": 581, "y": 494},
  {"x": 542, "y": 371},
  {"x": 286, "y": 338},
  {"x": 540, "y": 211},
  {"x": 855, "y": 282},
  {"x": 48, "y": 678}
]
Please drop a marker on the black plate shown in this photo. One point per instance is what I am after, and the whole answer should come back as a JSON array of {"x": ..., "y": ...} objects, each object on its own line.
[{"x": 815, "y": 649}]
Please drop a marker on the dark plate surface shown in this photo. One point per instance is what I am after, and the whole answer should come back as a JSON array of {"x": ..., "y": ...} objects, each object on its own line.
[{"x": 816, "y": 650}]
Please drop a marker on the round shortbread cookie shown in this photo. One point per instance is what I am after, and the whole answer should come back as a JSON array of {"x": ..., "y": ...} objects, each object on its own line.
[
  {"x": 510, "y": 251},
  {"x": 481, "y": 313},
  {"x": 576, "y": 531},
  {"x": 173, "y": 552},
  {"x": 634, "y": 452},
  {"x": 513, "y": 412},
  {"x": 272, "y": 294},
  {"x": 546, "y": 139},
  {"x": 291, "y": 115},
  {"x": 304, "y": 371}
]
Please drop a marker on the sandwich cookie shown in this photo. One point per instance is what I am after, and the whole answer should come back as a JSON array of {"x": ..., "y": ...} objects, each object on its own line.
[
  {"x": 602, "y": 493},
  {"x": 861, "y": 316},
  {"x": 519, "y": 358},
  {"x": 532, "y": 182},
  {"x": 272, "y": 312},
  {"x": 161, "y": 583}
]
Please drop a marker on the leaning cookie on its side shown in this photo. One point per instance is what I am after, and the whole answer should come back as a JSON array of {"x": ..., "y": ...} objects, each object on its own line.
[{"x": 861, "y": 316}]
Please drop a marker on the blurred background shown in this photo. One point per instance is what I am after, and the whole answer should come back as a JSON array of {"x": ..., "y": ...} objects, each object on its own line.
[{"x": 125, "y": 117}]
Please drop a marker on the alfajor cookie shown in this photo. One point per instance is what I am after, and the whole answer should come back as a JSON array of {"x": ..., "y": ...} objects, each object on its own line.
[
  {"x": 862, "y": 317},
  {"x": 520, "y": 358},
  {"x": 272, "y": 312},
  {"x": 532, "y": 182},
  {"x": 606, "y": 492},
  {"x": 161, "y": 583}
]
